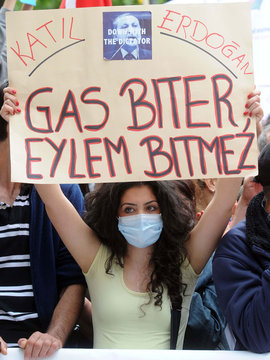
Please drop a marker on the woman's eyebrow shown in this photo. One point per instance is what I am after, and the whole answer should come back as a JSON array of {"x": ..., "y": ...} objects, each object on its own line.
[
  {"x": 151, "y": 201},
  {"x": 133, "y": 204},
  {"x": 128, "y": 203}
]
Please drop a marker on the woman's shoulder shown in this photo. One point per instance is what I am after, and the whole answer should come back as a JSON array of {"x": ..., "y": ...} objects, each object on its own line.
[{"x": 99, "y": 261}]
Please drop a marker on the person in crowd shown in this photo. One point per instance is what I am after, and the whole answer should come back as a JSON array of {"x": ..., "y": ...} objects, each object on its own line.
[
  {"x": 8, "y": 5},
  {"x": 207, "y": 327},
  {"x": 264, "y": 137},
  {"x": 128, "y": 35},
  {"x": 137, "y": 250},
  {"x": 41, "y": 286},
  {"x": 187, "y": 191},
  {"x": 204, "y": 192},
  {"x": 265, "y": 121},
  {"x": 248, "y": 190},
  {"x": 206, "y": 322},
  {"x": 241, "y": 269}
]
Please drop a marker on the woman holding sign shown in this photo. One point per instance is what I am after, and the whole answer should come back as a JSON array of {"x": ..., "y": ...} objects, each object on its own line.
[{"x": 137, "y": 250}]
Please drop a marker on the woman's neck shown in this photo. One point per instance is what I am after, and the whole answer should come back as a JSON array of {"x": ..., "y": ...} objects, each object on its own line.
[
  {"x": 137, "y": 268},
  {"x": 139, "y": 257}
]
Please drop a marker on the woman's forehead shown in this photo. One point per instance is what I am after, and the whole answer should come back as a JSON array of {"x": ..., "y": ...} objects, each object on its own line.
[{"x": 138, "y": 193}]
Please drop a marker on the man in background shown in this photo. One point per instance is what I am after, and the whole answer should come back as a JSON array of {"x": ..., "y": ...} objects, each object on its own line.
[
  {"x": 241, "y": 269},
  {"x": 41, "y": 286}
]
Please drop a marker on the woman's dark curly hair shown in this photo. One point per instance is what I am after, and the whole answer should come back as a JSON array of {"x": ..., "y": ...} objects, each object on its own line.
[{"x": 169, "y": 252}]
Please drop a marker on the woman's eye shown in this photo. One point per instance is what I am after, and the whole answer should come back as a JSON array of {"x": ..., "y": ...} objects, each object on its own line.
[
  {"x": 128, "y": 210},
  {"x": 152, "y": 208}
]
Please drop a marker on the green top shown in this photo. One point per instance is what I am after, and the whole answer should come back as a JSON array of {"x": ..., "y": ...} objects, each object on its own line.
[{"x": 120, "y": 318}]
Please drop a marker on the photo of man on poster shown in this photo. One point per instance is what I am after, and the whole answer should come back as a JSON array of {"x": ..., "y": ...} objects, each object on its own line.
[{"x": 127, "y": 38}]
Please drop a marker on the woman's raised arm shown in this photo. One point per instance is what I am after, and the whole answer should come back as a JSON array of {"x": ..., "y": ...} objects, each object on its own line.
[
  {"x": 206, "y": 234},
  {"x": 78, "y": 237},
  {"x": 210, "y": 228}
]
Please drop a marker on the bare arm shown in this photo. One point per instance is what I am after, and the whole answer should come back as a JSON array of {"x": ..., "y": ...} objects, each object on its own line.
[
  {"x": 3, "y": 346},
  {"x": 27, "y": 7},
  {"x": 63, "y": 320},
  {"x": 67, "y": 312},
  {"x": 9, "y": 4},
  {"x": 206, "y": 234}
]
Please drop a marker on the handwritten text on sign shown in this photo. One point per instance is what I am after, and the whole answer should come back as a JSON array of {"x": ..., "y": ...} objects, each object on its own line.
[{"x": 172, "y": 110}]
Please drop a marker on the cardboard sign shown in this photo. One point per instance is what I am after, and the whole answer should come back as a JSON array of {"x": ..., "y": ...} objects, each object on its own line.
[{"x": 131, "y": 93}]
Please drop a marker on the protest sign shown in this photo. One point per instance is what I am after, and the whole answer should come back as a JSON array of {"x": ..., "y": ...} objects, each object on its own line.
[{"x": 173, "y": 110}]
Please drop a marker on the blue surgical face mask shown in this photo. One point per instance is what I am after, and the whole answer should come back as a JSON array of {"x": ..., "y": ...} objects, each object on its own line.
[{"x": 141, "y": 230}]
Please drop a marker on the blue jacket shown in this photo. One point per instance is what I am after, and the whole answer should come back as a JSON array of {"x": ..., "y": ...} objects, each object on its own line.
[
  {"x": 206, "y": 322},
  {"x": 241, "y": 274},
  {"x": 52, "y": 266}
]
